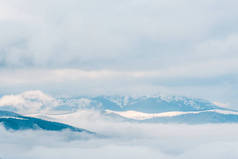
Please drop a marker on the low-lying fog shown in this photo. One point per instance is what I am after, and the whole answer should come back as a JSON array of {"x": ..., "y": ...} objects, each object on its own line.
[{"x": 124, "y": 140}]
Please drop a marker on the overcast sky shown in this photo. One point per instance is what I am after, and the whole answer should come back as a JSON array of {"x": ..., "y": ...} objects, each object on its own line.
[{"x": 76, "y": 47}]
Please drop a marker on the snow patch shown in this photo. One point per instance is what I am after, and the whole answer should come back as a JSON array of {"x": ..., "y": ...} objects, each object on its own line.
[{"x": 142, "y": 116}]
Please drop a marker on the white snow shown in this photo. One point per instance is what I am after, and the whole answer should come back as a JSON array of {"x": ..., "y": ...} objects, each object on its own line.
[
  {"x": 142, "y": 116},
  {"x": 11, "y": 117}
]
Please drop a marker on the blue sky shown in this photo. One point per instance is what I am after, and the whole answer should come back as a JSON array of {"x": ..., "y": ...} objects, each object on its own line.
[{"x": 185, "y": 47}]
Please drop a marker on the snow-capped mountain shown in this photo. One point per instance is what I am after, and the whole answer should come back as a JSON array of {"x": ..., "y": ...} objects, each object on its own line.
[
  {"x": 143, "y": 108},
  {"x": 145, "y": 104},
  {"x": 157, "y": 109}
]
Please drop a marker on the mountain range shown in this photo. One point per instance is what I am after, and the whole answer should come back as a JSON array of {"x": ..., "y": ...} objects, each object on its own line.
[{"x": 159, "y": 109}]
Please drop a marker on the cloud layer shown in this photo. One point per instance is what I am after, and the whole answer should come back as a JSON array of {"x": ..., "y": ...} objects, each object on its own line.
[
  {"x": 116, "y": 34},
  {"x": 129, "y": 141},
  {"x": 146, "y": 46}
]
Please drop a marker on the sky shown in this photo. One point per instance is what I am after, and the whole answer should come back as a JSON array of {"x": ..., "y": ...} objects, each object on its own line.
[{"x": 126, "y": 47}]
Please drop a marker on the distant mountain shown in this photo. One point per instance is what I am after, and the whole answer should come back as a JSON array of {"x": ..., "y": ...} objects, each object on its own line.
[
  {"x": 159, "y": 108},
  {"x": 146, "y": 104},
  {"x": 197, "y": 118},
  {"x": 165, "y": 109},
  {"x": 15, "y": 121},
  {"x": 154, "y": 104}
]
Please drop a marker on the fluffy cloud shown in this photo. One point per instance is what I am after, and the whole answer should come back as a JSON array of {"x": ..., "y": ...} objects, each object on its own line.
[
  {"x": 28, "y": 102},
  {"x": 129, "y": 141},
  {"x": 215, "y": 82},
  {"x": 142, "y": 34},
  {"x": 185, "y": 47}
]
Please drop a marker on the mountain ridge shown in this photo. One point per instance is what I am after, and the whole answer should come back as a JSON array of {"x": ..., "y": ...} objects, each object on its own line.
[
  {"x": 14, "y": 121},
  {"x": 141, "y": 108}
]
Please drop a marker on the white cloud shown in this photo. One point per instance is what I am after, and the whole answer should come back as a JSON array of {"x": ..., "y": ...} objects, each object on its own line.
[
  {"x": 212, "y": 80},
  {"x": 129, "y": 141},
  {"x": 29, "y": 102},
  {"x": 210, "y": 69},
  {"x": 185, "y": 47},
  {"x": 142, "y": 34}
]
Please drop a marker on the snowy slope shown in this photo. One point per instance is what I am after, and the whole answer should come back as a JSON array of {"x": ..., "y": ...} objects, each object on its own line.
[{"x": 15, "y": 121}]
